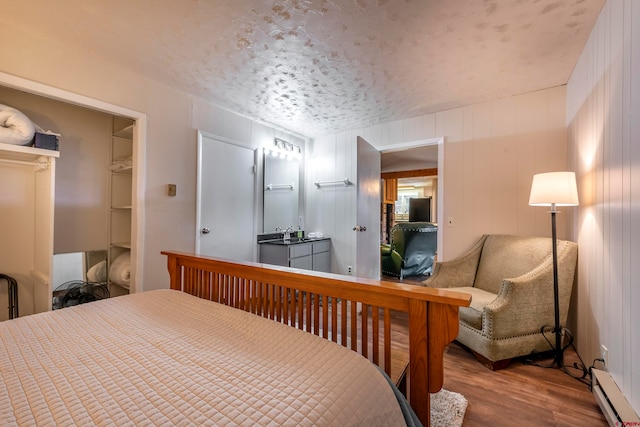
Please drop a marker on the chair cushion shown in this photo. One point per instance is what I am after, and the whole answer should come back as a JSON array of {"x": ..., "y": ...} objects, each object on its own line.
[
  {"x": 472, "y": 315},
  {"x": 505, "y": 257}
]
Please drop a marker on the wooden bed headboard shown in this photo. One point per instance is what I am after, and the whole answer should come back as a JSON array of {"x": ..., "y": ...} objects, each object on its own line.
[{"x": 347, "y": 310}]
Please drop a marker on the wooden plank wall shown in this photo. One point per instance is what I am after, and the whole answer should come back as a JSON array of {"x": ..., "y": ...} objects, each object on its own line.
[{"x": 603, "y": 101}]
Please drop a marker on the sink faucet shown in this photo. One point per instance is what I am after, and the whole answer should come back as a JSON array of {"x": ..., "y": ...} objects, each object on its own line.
[{"x": 287, "y": 234}]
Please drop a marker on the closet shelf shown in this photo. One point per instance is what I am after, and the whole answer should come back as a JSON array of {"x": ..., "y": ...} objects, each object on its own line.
[
  {"x": 25, "y": 153},
  {"x": 128, "y": 170},
  {"x": 125, "y": 132},
  {"x": 125, "y": 245},
  {"x": 41, "y": 276}
]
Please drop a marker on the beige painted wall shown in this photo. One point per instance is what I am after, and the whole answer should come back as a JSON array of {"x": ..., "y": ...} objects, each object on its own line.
[
  {"x": 492, "y": 151},
  {"x": 603, "y": 102}
]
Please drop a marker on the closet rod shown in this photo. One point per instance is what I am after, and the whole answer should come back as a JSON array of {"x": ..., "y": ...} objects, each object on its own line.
[{"x": 345, "y": 182}]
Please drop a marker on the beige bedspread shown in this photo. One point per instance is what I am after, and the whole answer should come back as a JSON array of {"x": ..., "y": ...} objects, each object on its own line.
[{"x": 168, "y": 358}]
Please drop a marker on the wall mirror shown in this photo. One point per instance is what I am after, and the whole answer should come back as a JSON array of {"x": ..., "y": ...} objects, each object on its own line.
[{"x": 281, "y": 193}]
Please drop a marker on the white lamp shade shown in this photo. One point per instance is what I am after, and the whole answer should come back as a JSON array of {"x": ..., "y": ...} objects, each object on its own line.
[{"x": 557, "y": 188}]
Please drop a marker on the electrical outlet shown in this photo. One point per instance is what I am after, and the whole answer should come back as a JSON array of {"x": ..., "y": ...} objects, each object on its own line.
[
  {"x": 172, "y": 189},
  {"x": 604, "y": 351},
  {"x": 349, "y": 270}
]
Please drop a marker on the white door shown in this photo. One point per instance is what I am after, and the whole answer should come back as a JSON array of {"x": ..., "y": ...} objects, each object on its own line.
[
  {"x": 225, "y": 225},
  {"x": 368, "y": 211}
]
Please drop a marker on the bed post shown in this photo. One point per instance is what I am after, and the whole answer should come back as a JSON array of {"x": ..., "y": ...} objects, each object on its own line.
[
  {"x": 432, "y": 326},
  {"x": 174, "y": 273},
  {"x": 443, "y": 326},
  {"x": 418, "y": 372}
]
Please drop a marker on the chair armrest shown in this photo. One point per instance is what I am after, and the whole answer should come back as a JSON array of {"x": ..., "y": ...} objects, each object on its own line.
[
  {"x": 459, "y": 272},
  {"x": 385, "y": 249},
  {"x": 397, "y": 260},
  {"x": 526, "y": 303},
  {"x": 392, "y": 263},
  {"x": 521, "y": 308}
]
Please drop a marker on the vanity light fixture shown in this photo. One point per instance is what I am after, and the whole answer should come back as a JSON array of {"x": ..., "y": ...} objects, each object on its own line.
[{"x": 283, "y": 149}]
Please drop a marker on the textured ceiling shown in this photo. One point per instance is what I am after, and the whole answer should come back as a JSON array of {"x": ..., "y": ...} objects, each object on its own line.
[{"x": 320, "y": 66}]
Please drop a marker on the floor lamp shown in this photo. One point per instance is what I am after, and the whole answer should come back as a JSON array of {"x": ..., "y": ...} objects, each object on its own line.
[{"x": 555, "y": 189}]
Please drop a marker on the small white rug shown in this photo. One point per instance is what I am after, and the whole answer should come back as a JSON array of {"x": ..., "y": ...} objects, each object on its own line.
[{"x": 447, "y": 409}]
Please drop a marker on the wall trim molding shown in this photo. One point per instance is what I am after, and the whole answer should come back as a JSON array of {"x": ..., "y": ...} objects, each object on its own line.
[{"x": 410, "y": 174}]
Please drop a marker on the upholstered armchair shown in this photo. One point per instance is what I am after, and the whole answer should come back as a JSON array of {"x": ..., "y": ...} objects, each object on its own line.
[
  {"x": 510, "y": 279},
  {"x": 412, "y": 249}
]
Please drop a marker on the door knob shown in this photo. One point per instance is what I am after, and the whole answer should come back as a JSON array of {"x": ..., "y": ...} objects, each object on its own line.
[
  {"x": 205, "y": 230},
  {"x": 359, "y": 228}
]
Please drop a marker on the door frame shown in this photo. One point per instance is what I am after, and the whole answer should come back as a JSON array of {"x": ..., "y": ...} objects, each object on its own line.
[
  {"x": 439, "y": 141},
  {"x": 139, "y": 149}
]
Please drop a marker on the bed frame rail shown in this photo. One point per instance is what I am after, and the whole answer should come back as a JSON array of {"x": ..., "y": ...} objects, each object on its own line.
[{"x": 353, "y": 312}]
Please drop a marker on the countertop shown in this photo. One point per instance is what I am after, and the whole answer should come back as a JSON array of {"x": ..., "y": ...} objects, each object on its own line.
[{"x": 293, "y": 241}]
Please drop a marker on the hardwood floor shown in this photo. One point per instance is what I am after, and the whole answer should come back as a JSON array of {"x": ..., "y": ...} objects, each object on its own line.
[{"x": 519, "y": 395}]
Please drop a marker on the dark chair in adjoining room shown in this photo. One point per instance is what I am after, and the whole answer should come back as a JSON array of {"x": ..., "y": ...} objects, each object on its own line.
[{"x": 411, "y": 251}]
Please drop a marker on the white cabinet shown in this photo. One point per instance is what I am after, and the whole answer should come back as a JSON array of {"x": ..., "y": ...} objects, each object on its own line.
[
  {"x": 27, "y": 185},
  {"x": 121, "y": 203}
]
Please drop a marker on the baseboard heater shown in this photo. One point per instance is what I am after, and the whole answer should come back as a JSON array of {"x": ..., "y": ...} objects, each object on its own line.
[{"x": 614, "y": 405}]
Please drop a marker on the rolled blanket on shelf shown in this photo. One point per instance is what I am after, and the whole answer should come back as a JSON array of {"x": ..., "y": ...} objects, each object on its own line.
[
  {"x": 15, "y": 127},
  {"x": 120, "y": 270},
  {"x": 98, "y": 272}
]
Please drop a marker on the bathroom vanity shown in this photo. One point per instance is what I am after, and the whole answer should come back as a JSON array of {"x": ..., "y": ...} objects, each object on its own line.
[{"x": 304, "y": 253}]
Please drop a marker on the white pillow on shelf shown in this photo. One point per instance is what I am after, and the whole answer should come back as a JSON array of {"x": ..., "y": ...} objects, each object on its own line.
[{"x": 15, "y": 127}]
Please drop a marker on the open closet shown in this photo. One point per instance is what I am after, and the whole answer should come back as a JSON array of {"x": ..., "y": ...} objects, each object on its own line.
[{"x": 92, "y": 212}]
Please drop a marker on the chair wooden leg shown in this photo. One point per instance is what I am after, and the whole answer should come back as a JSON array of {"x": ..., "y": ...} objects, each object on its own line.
[{"x": 493, "y": 365}]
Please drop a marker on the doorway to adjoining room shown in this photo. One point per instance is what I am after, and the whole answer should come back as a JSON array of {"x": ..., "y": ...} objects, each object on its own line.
[{"x": 409, "y": 213}]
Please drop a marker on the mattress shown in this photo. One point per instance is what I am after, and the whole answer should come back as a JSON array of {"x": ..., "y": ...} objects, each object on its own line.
[{"x": 167, "y": 358}]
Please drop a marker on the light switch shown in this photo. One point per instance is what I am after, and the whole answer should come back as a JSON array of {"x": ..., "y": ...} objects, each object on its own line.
[{"x": 172, "y": 189}]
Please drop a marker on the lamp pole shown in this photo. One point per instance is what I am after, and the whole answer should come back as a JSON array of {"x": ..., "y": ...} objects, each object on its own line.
[{"x": 557, "y": 358}]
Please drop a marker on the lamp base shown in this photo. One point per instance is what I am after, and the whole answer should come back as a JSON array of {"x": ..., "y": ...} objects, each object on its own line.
[{"x": 578, "y": 369}]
